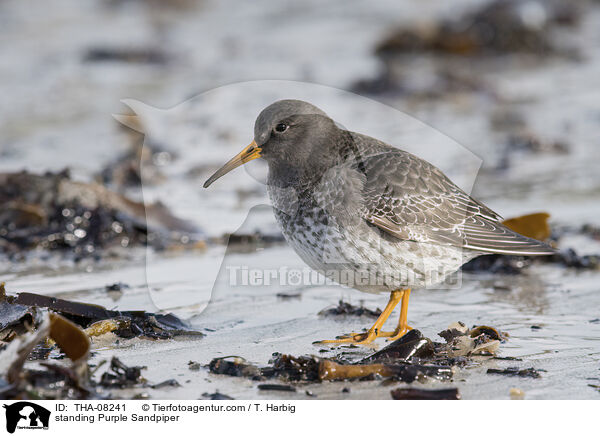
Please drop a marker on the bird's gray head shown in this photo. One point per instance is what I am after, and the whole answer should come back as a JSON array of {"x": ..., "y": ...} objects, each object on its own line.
[{"x": 290, "y": 135}]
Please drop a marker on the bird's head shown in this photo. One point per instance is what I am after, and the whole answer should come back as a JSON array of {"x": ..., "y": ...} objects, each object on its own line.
[{"x": 288, "y": 134}]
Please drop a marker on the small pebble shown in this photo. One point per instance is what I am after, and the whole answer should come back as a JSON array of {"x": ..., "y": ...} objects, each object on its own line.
[{"x": 516, "y": 394}]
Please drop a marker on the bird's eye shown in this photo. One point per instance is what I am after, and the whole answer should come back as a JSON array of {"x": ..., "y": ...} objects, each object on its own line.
[{"x": 281, "y": 127}]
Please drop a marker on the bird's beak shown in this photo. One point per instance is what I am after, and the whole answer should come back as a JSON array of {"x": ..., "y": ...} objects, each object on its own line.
[{"x": 246, "y": 155}]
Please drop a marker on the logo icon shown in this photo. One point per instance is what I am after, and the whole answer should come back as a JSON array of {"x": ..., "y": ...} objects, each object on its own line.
[{"x": 26, "y": 415}]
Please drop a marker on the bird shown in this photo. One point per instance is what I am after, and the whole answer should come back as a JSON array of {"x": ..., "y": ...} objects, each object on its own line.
[{"x": 369, "y": 215}]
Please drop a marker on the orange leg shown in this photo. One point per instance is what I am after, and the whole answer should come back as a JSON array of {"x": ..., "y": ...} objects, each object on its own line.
[
  {"x": 375, "y": 331},
  {"x": 403, "y": 326}
]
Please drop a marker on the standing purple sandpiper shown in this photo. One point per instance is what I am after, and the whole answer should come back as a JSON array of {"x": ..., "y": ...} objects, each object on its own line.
[{"x": 369, "y": 215}]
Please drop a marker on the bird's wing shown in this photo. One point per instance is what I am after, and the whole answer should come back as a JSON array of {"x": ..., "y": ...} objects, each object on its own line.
[{"x": 411, "y": 199}]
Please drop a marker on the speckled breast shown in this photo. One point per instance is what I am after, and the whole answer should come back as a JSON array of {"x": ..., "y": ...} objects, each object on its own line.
[{"x": 357, "y": 254}]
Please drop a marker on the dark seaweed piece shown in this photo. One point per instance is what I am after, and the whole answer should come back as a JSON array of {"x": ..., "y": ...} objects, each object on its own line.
[
  {"x": 412, "y": 345},
  {"x": 171, "y": 383},
  {"x": 425, "y": 394},
  {"x": 408, "y": 373},
  {"x": 15, "y": 319},
  {"x": 273, "y": 387},
  {"x": 501, "y": 264},
  {"x": 121, "y": 376},
  {"x": 526, "y": 141},
  {"x": 286, "y": 367},
  {"x": 138, "y": 323},
  {"x": 253, "y": 239},
  {"x": 234, "y": 366},
  {"x": 449, "y": 334},
  {"x": 217, "y": 396},
  {"x": 285, "y": 296},
  {"x": 344, "y": 308},
  {"x": 497, "y": 264},
  {"x": 514, "y": 371},
  {"x": 54, "y": 213},
  {"x": 571, "y": 259},
  {"x": 127, "y": 54},
  {"x": 498, "y": 27}
]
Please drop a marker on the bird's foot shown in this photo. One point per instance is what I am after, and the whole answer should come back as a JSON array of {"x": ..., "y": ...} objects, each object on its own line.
[
  {"x": 352, "y": 338},
  {"x": 396, "y": 334}
]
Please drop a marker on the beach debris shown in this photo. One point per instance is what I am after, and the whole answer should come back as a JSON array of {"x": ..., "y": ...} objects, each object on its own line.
[
  {"x": 480, "y": 340},
  {"x": 170, "y": 383},
  {"x": 141, "y": 164},
  {"x": 15, "y": 319},
  {"x": 412, "y": 346},
  {"x": 527, "y": 141},
  {"x": 274, "y": 387},
  {"x": 330, "y": 370},
  {"x": 498, "y": 27},
  {"x": 425, "y": 394},
  {"x": 426, "y": 60},
  {"x": 445, "y": 80},
  {"x": 516, "y": 394},
  {"x": 54, "y": 381},
  {"x": 597, "y": 387},
  {"x": 98, "y": 320},
  {"x": 234, "y": 366},
  {"x": 54, "y": 213},
  {"x": 289, "y": 295},
  {"x": 412, "y": 357},
  {"x": 194, "y": 366},
  {"x": 251, "y": 241},
  {"x": 534, "y": 225},
  {"x": 514, "y": 371},
  {"x": 60, "y": 381},
  {"x": 501, "y": 264},
  {"x": 128, "y": 55},
  {"x": 345, "y": 308},
  {"x": 217, "y": 396},
  {"x": 122, "y": 376},
  {"x": 115, "y": 292}
]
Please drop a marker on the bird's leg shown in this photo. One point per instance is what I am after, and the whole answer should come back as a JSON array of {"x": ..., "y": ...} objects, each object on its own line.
[
  {"x": 403, "y": 326},
  {"x": 375, "y": 331}
]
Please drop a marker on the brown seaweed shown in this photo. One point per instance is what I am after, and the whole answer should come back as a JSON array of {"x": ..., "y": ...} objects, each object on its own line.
[
  {"x": 514, "y": 371},
  {"x": 274, "y": 387},
  {"x": 122, "y": 376},
  {"x": 216, "y": 396},
  {"x": 128, "y": 55},
  {"x": 56, "y": 381},
  {"x": 499, "y": 27},
  {"x": 345, "y": 308},
  {"x": 54, "y": 213},
  {"x": 425, "y": 394},
  {"x": 128, "y": 324},
  {"x": 234, "y": 366},
  {"x": 410, "y": 358}
]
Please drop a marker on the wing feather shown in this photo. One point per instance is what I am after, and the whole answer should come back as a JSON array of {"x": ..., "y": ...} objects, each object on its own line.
[{"x": 411, "y": 199}]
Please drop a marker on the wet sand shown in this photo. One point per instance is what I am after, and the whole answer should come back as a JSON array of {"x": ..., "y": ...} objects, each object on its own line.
[{"x": 61, "y": 117}]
